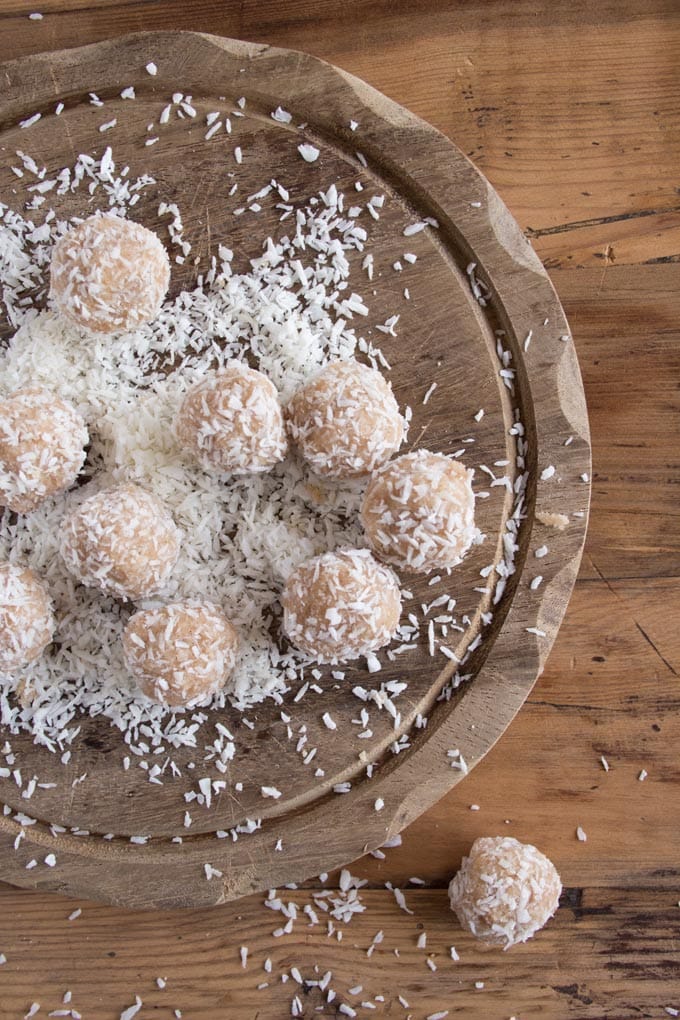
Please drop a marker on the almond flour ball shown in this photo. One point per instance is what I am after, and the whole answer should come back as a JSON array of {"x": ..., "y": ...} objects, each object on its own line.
[
  {"x": 109, "y": 274},
  {"x": 418, "y": 512},
  {"x": 341, "y": 605},
  {"x": 505, "y": 891},
  {"x": 180, "y": 653},
  {"x": 26, "y": 617},
  {"x": 232, "y": 421},
  {"x": 121, "y": 540},
  {"x": 345, "y": 420},
  {"x": 42, "y": 447}
]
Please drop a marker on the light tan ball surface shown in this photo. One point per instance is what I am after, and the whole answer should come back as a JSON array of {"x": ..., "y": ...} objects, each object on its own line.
[
  {"x": 26, "y": 617},
  {"x": 180, "y": 653},
  {"x": 109, "y": 274},
  {"x": 505, "y": 890},
  {"x": 419, "y": 512},
  {"x": 42, "y": 447},
  {"x": 232, "y": 421},
  {"x": 345, "y": 421},
  {"x": 121, "y": 540},
  {"x": 341, "y": 605}
]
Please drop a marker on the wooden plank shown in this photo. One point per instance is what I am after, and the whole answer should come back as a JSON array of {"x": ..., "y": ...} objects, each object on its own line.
[
  {"x": 576, "y": 157},
  {"x": 626, "y": 325},
  {"x": 606, "y": 954}
]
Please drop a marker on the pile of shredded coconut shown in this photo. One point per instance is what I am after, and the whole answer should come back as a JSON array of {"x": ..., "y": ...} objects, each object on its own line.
[{"x": 240, "y": 537}]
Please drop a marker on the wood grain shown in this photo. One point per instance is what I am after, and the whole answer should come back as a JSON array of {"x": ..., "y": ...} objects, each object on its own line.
[
  {"x": 559, "y": 108},
  {"x": 611, "y": 70},
  {"x": 628, "y": 938}
]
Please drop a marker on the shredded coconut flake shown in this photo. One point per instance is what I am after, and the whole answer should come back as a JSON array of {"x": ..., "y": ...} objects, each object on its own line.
[{"x": 309, "y": 153}]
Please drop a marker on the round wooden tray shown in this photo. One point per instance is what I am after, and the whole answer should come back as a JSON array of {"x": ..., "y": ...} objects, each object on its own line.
[{"x": 444, "y": 334}]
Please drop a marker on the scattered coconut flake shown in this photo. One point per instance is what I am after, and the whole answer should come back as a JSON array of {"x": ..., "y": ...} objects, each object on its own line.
[
  {"x": 128, "y": 93},
  {"x": 429, "y": 393},
  {"x": 605, "y": 763},
  {"x": 270, "y": 791},
  {"x": 379, "y": 804},
  {"x": 536, "y": 582},
  {"x": 541, "y": 552},
  {"x": 580, "y": 835},
  {"x": 151, "y": 69},
  {"x": 309, "y": 153},
  {"x": 399, "y": 897},
  {"x": 414, "y": 228},
  {"x": 643, "y": 775},
  {"x": 552, "y": 520},
  {"x": 29, "y": 121},
  {"x": 281, "y": 115},
  {"x": 547, "y": 472}
]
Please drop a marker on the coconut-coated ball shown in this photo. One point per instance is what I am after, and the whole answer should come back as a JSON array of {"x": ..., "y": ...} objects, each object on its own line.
[
  {"x": 505, "y": 890},
  {"x": 42, "y": 447},
  {"x": 345, "y": 421},
  {"x": 109, "y": 274},
  {"x": 121, "y": 540},
  {"x": 26, "y": 617},
  {"x": 418, "y": 512},
  {"x": 231, "y": 421},
  {"x": 180, "y": 653},
  {"x": 341, "y": 605}
]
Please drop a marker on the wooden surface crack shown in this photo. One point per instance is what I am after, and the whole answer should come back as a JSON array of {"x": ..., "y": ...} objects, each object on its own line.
[{"x": 598, "y": 221}]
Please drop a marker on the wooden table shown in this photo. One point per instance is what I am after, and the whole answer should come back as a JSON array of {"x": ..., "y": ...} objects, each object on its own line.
[{"x": 573, "y": 112}]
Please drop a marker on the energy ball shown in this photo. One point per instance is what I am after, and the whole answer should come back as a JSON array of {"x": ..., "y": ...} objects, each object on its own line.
[
  {"x": 109, "y": 274},
  {"x": 345, "y": 421},
  {"x": 42, "y": 447},
  {"x": 505, "y": 891},
  {"x": 419, "y": 512},
  {"x": 26, "y": 617},
  {"x": 121, "y": 540},
  {"x": 341, "y": 605},
  {"x": 232, "y": 421},
  {"x": 180, "y": 653}
]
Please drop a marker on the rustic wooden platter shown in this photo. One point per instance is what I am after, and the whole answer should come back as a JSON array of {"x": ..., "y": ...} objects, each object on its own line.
[{"x": 445, "y": 335}]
